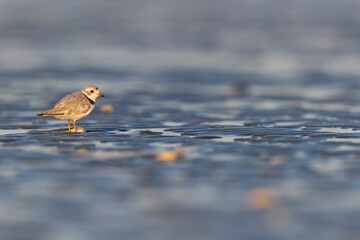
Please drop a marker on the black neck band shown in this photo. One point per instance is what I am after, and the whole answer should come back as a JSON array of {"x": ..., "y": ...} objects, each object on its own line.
[{"x": 91, "y": 101}]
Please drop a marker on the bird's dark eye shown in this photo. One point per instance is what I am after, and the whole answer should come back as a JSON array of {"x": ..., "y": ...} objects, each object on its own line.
[{"x": 92, "y": 91}]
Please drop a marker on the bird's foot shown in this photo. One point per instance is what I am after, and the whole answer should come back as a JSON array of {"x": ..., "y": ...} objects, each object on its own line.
[{"x": 78, "y": 129}]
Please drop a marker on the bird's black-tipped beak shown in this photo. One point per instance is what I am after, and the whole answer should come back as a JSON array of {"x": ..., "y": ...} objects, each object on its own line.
[{"x": 100, "y": 95}]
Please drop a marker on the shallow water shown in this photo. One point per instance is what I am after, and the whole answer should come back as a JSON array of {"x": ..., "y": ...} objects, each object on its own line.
[
  {"x": 108, "y": 182},
  {"x": 225, "y": 125}
]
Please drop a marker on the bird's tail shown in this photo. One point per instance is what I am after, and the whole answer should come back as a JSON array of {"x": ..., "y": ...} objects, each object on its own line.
[{"x": 48, "y": 114}]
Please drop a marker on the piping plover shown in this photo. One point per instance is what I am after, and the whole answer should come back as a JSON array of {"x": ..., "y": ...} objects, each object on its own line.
[{"x": 74, "y": 106}]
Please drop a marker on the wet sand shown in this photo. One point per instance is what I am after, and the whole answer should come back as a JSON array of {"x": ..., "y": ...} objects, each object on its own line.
[{"x": 222, "y": 120}]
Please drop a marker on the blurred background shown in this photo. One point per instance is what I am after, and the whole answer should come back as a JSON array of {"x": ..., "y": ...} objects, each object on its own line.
[
  {"x": 271, "y": 37},
  {"x": 224, "y": 119}
]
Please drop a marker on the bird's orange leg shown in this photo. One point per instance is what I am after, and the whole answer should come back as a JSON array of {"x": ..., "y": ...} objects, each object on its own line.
[
  {"x": 74, "y": 123},
  {"x": 69, "y": 126}
]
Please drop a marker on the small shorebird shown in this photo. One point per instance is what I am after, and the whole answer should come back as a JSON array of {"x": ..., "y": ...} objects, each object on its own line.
[{"x": 74, "y": 106}]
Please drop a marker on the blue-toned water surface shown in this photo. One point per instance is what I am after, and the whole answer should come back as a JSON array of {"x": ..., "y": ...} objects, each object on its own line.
[{"x": 221, "y": 120}]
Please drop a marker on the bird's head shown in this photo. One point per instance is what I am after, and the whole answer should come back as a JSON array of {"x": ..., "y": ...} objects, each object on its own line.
[{"x": 91, "y": 92}]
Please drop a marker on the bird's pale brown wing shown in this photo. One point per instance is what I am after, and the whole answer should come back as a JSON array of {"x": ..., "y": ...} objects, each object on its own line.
[{"x": 74, "y": 103}]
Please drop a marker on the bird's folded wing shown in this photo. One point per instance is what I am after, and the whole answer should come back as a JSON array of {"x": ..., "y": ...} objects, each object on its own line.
[{"x": 74, "y": 103}]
